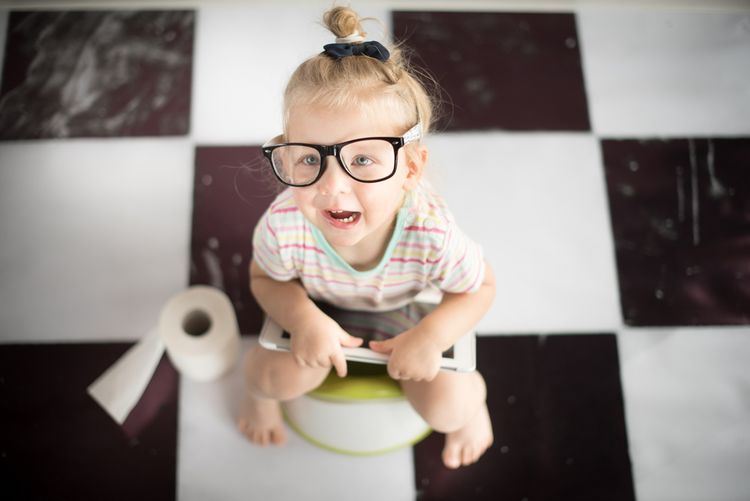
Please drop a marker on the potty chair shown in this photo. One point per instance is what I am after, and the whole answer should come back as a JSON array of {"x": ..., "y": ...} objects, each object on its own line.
[{"x": 365, "y": 413}]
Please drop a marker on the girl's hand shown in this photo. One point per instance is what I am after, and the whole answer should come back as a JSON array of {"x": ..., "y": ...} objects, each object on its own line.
[
  {"x": 319, "y": 345},
  {"x": 414, "y": 357}
]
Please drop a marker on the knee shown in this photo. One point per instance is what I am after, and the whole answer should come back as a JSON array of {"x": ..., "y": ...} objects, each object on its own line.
[
  {"x": 277, "y": 378},
  {"x": 443, "y": 417},
  {"x": 449, "y": 404},
  {"x": 279, "y": 384}
]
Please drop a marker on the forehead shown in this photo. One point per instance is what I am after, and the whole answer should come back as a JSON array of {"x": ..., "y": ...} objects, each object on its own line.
[{"x": 318, "y": 124}]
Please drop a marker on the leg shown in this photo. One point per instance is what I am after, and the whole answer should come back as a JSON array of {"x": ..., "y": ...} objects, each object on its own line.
[
  {"x": 455, "y": 404},
  {"x": 271, "y": 377}
]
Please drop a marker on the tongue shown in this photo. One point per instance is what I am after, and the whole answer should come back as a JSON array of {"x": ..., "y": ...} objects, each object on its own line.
[{"x": 342, "y": 215}]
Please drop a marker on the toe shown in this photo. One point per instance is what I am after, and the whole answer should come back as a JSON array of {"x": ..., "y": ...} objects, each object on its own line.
[
  {"x": 452, "y": 457},
  {"x": 264, "y": 438},
  {"x": 278, "y": 437},
  {"x": 244, "y": 428}
]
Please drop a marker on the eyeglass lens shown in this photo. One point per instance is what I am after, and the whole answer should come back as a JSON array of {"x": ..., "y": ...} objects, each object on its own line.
[{"x": 367, "y": 160}]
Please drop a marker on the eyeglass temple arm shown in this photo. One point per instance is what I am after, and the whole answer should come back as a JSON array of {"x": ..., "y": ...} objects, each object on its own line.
[{"x": 413, "y": 134}]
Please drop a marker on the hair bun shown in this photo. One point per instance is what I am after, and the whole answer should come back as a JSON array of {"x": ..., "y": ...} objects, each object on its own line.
[{"x": 343, "y": 22}]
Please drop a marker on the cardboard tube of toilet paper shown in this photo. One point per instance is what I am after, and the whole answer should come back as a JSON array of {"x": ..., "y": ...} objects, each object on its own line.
[{"x": 199, "y": 330}]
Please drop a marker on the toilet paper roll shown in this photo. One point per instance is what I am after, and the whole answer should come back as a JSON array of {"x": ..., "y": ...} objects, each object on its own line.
[{"x": 198, "y": 329}]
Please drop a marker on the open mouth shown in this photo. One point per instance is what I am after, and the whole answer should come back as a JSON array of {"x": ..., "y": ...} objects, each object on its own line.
[{"x": 342, "y": 217}]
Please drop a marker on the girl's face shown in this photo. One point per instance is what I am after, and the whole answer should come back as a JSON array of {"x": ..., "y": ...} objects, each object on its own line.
[{"x": 356, "y": 218}]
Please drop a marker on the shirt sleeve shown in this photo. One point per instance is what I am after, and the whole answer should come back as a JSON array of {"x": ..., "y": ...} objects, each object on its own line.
[
  {"x": 267, "y": 252},
  {"x": 460, "y": 266}
]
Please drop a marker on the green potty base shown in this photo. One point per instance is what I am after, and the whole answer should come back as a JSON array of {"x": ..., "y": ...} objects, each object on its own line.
[{"x": 365, "y": 413}]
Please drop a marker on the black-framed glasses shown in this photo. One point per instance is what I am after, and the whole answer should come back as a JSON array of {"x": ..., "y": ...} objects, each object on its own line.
[{"x": 367, "y": 159}]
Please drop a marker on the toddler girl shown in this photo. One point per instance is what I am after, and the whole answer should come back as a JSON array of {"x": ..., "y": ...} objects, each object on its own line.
[{"x": 358, "y": 229}]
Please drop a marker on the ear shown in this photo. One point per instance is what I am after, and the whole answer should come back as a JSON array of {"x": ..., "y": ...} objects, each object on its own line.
[{"x": 416, "y": 161}]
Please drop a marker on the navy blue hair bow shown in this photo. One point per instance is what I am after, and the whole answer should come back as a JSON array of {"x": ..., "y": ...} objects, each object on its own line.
[{"x": 370, "y": 49}]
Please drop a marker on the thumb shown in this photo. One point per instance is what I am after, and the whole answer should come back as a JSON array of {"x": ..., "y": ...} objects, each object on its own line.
[
  {"x": 350, "y": 341},
  {"x": 384, "y": 347}
]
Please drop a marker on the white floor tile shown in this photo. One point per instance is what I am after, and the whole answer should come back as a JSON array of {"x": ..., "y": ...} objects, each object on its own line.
[
  {"x": 687, "y": 402},
  {"x": 657, "y": 72},
  {"x": 216, "y": 462},
  {"x": 244, "y": 56},
  {"x": 95, "y": 236},
  {"x": 537, "y": 204}
]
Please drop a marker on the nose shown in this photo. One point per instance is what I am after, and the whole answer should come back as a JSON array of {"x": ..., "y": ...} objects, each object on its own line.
[{"x": 334, "y": 180}]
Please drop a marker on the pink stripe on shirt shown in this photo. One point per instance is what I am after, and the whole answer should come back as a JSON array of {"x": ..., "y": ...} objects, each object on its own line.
[
  {"x": 270, "y": 229},
  {"x": 416, "y": 245},
  {"x": 414, "y": 260},
  {"x": 284, "y": 210},
  {"x": 424, "y": 229},
  {"x": 302, "y": 246},
  {"x": 338, "y": 282}
]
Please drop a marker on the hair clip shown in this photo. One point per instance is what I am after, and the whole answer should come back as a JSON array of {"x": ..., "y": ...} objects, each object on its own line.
[
  {"x": 355, "y": 37},
  {"x": 371, "y": 49}
]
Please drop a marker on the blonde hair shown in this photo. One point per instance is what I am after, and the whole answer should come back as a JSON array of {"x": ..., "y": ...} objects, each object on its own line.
[{"x": 361, "y": 80}]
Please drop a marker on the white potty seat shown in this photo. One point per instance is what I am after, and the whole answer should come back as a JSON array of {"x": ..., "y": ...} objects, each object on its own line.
[{"x": 365, "y": 413}]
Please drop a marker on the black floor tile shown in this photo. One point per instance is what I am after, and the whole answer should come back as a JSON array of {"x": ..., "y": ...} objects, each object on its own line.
[
  {"x": 57, "y": 443},
  {"x": 680, "y": 211},
  {"x": 97, "y": 74},
  {"x": 232, "y": 188},
  {"x": 557, "y": 411},
  {"x": 500, "y": 70}
]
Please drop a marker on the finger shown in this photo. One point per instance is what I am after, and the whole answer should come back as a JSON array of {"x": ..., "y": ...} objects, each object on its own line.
[
  {"x": 351, "y": 341},
  {"x": 384, "y": 347},
  {"x": 339, "y": 363}
]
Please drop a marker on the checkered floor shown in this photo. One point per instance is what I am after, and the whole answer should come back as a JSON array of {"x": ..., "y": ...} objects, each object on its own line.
[{"x": 600, "y": 154}]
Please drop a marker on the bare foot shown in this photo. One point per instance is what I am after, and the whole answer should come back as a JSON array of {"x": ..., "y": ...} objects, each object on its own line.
[
  {"x": 261, "y": 422},
  {"x": 465, "y": 446}
]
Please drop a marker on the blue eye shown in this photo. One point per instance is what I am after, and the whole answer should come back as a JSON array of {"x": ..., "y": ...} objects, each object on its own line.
[
  {"x": 310, "y": 160},
  {"x": 361, "y": 161}
]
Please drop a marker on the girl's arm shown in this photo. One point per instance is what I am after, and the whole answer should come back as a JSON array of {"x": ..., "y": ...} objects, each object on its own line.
[
  {"x": 416, "y": 353},
  {"x": 286, "y": 302},
  {"x": 457, "y": 314},
  {"x": 316, "y": 338}
]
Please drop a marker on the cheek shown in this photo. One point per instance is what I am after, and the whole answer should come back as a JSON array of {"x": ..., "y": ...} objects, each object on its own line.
[
  {"x": 384, "y": 198},
  {"x": 304, "y": 198}
]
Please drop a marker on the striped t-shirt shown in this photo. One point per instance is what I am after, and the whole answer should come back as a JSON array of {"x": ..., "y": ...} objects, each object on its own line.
[{"x": 427, "y": 253}]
